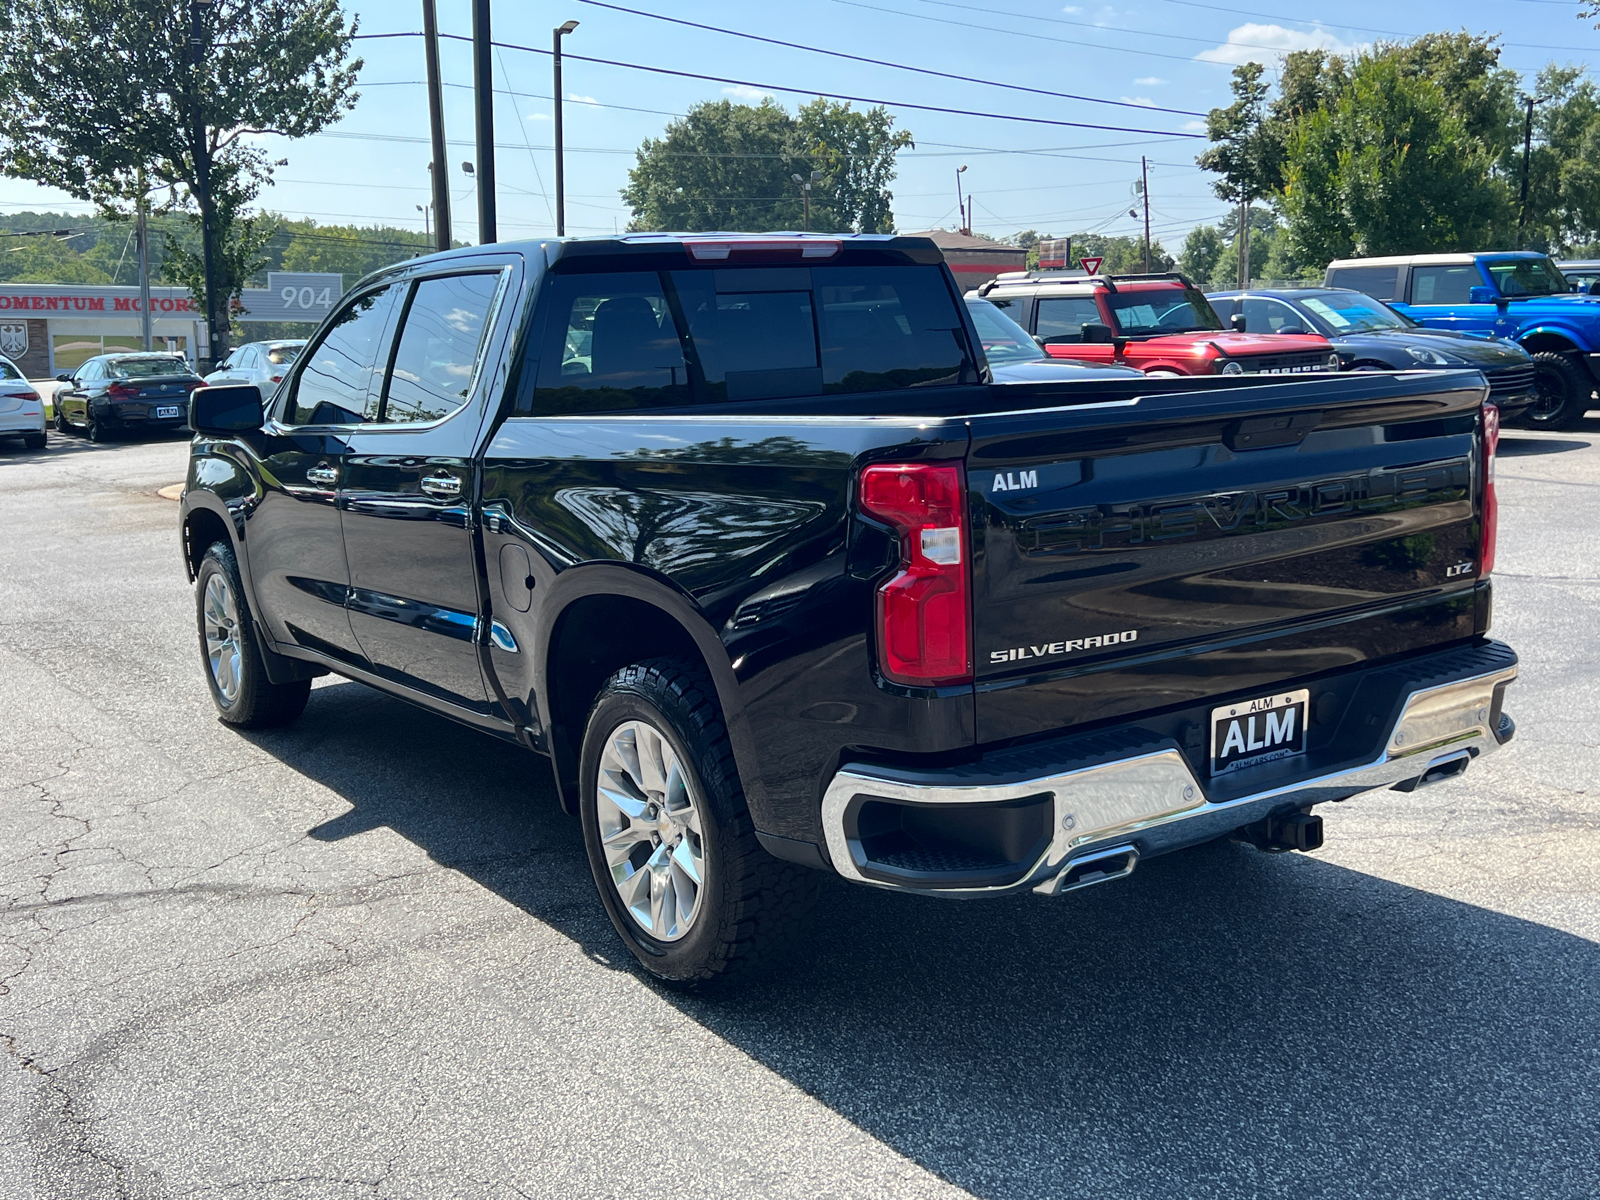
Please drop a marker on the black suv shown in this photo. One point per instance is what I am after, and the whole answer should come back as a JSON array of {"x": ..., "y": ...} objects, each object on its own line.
[
  {"x": 126, "y": 393},
  {"x": 739, "y": 533}
]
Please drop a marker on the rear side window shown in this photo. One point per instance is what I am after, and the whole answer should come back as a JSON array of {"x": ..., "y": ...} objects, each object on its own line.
[
  {"x": 1062, "y": 318},
  {"x": 436, "y": 355},
  {"x": 609, "y": 344},
  {"x": 641, "y": 340},
  {"x": 8, "y": 369},
  {"x": 1444, "y": 285},
  {"x": 335, "y": 385},
  {"x": 1379, "y": 282}
]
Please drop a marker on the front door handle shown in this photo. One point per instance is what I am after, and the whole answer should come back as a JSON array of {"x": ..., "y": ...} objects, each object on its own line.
[
  {"x": 323, "y": 474},
  {"x": 446, "y": 487}
]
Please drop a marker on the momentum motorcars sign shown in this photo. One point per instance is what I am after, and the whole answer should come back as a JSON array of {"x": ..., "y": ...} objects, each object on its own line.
[{"x": 288, "y": 296}]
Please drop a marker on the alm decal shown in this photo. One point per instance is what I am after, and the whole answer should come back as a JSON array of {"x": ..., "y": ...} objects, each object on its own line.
[{"x": 1014, "y": 481}]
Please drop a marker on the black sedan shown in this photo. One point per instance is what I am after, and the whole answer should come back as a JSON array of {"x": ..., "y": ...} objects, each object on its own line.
[
  {"x": 1371, "y": 336},
  {"x": 126, "y": 393}
]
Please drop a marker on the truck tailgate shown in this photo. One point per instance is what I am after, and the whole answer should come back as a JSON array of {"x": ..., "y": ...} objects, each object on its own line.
[{"x": 1175, "y": 547}]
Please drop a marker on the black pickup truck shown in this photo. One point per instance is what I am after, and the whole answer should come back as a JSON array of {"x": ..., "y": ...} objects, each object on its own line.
[{"x": 740, "y": 533}]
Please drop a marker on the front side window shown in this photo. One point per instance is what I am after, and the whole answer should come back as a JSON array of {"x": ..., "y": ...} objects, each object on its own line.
[
  {"x": 1061, "y": 318},
  {"x": 436, "y": 355},
  {"x": 1445, "y": 285},
  {"x": 1151, "y": 312},
  {"x": 335, "y": 385},
  {"x": 1269, "y": 316},
  {"x": 90, "y": 371},
  {"x": 1526, "y": 277}
]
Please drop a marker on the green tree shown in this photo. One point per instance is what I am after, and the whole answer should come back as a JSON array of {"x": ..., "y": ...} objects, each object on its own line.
[
  {"x": 1388, "y": 168},
  {"x": 1247, "y": 150},
  {"x": 102, "y": 92},
  {"x": 856, "y": 151},
  {"x": 1202, "y": 251},
  {"x": 731, "y": 166},
  {"x": 1123, "y": 255}
]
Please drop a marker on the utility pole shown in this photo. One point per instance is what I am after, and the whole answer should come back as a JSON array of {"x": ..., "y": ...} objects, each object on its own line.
[
  {"x": 1144, "y": 188},
  {"x": 483, "y": 98},
  {"x": 805, "y": 194},
  {"x": 961, "y": 205},
  {"x": 216, "y": 339},
  {"x": 142, "y": 232},
  {"x": 439, "y": 175},
  {"x": 425, "y": 210},
  {"x": 1527, "y": 152},
  {"x": 1244, "y": 243},
  {"x": 559, "y": 32}
]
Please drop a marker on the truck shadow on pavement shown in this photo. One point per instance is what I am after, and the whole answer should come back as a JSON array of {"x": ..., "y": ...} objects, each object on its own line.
[{"x": 1224, "y": 1023}]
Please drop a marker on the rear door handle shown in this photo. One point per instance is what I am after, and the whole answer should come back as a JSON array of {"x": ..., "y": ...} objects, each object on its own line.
[
  {"x": 443, "y": 486},
  {"x": 322, "y": 473}
]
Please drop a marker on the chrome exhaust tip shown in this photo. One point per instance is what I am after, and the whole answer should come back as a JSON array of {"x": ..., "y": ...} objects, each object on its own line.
[{"x": 1100, "y": 867}]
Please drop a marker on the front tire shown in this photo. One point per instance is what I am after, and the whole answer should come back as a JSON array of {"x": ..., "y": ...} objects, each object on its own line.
[
  {"x": 240, "y": 689},
  {"x": 1562, "y": 391},
  {"x": 670, "y": 841},
  {"x": 61, "y": 421}
]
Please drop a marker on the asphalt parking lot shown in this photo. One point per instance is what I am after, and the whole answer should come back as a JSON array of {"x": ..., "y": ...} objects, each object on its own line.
[{"x": 362, "y": 956}]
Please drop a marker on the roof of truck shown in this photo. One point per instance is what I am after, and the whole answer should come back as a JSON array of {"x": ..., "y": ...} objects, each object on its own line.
[{"x": 1400, "y": 260}]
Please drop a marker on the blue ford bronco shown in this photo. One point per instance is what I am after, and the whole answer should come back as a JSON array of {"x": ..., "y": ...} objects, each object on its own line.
[
  {"x": 1518, "y": 295},
  {"x": 748, "y": 538}
]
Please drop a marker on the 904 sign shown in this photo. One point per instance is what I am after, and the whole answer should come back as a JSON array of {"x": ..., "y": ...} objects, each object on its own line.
[{"x": 306, "y": 297}]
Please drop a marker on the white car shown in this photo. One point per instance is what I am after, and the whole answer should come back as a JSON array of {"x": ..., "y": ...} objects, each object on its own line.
[
  {"x": 21, "y": 409},
  {"x": 261, "y": 363}
]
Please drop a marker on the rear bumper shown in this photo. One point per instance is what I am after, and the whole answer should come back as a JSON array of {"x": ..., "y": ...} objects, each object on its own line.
[
  {"x": 1030, "y": 818},
  {"x": 22, "y": 422}
]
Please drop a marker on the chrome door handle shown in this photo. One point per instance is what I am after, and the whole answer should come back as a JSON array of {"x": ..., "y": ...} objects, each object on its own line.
[
  {"x": 443, "y": 486},
  {"x": 322, "y": 474}
]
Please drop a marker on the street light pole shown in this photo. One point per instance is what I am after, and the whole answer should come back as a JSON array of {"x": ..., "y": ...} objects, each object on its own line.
[
  {"x": 961, "y": 205},
  {"x": 143, "y": 234},
  {"x": 202, "y": 180},
  {"x": 1144, "y": 190},
  {"x": 556, "y": 35},
  {"x": 1527, "y": 151},
  {"x": 483, "y": 97},
  {"x": 439, "y": 175}
]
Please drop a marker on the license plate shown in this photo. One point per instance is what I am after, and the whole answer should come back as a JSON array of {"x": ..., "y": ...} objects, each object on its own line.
[
  {"x": 168, "y": 410},
  {"x": 1258, "y": 731}
]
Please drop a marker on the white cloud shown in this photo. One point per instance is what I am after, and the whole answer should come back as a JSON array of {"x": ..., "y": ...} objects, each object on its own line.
[
  {"x": 1262, "y": 43},
  {"x": 742, "y": 92},
  {"x": 1149, "y": 81},
  {"x": 1072, "y": 10},
  {"x": 574, "y": 98},
  {"x": 1144, "y": 100},
  {"x": 538, "y": 116},
  {"x": 1194, "y": 126}
]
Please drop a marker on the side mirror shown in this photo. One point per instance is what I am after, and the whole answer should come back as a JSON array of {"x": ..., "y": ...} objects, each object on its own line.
[
  {"x": 1482, "y": 295},
  {"x": 230, "y": 408},
  {"x": 1292, "y": 329},
  {"x": 1238, "y": 324},
  {"x": 64, "y": 378},
  {"x": 1097, "y": 334}
]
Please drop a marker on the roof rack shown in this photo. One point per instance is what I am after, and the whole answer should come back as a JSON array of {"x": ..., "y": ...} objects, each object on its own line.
[{"x": 1109, "y": 282}]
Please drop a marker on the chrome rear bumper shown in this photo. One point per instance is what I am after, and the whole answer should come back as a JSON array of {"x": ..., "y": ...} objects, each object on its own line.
[{"x": 1113, "y": 811}]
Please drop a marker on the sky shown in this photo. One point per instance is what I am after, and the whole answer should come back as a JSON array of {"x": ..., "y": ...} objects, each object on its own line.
[{"x": 1142, "y": 56}]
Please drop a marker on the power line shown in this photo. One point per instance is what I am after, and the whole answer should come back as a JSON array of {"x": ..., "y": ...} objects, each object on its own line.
[
  {"x": 878, "y": 62},
  {"x": 773, "y": 87}
]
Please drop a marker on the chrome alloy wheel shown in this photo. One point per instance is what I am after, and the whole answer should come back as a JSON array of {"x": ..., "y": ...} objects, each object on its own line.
[
  {"x": 650, "y": 831},
  {"x": 223, "y": 652}
]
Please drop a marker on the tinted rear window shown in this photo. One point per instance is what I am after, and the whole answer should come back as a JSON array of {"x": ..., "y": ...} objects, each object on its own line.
[
  {"x": 648, "y": 339},
  {"x": 281, "y": 355},
  {"x": 148, "y": 368},
  {"x": 1374, "y": 281}
]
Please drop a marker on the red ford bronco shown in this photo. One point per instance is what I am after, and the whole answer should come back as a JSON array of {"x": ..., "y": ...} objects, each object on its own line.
[{"x": 1161, "y": 324}]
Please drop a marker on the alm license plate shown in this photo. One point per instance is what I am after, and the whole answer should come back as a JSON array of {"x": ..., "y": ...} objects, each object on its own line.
[
  {"x": 1257, "y": 731},
  {"x": 167, "y": 410}
]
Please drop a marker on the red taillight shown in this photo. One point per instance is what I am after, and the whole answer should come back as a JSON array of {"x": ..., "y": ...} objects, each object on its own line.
[
  {"x": 122, "y": 391},
  {"x": 923, "y": 612},
  {"x": 1491, "y": 502}
]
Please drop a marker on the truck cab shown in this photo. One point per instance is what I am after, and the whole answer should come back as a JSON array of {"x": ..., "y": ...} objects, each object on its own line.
[
  {"x": 1161, "y": 324},
  {"x": 1520, "y": 296}
]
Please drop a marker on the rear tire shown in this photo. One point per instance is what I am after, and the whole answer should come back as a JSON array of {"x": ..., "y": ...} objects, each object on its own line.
[
  {"x": 97, "y": 431},
  {"x": 35, "y": 441},
  {"x": 1562, "y": 392},
  {"x": 240, "y": 689},
  {"x": 671, "y": 844}
]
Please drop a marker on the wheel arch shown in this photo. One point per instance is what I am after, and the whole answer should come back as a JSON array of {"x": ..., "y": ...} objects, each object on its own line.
[
  {"x": 1546, "y": 340},
  {"x": 603, "y": 617},
  {"x": 204, "y": 523}
]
